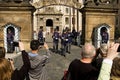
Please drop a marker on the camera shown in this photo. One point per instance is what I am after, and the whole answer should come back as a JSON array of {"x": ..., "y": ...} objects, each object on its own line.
[
  {"x": 9, "y": 59},
  {"x": 16, "y": 44},
  {"x": 41, "y": 41}
]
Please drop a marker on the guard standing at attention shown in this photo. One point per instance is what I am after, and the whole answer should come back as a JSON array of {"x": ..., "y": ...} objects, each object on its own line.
[{"x": 55, "y": 37}]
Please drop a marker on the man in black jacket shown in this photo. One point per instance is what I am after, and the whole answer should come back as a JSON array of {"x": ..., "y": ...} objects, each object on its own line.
[{"x": 82, "y": 69}]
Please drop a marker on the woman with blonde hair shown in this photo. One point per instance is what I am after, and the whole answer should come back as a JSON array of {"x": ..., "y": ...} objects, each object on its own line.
[{"x": 6, "y": 69}]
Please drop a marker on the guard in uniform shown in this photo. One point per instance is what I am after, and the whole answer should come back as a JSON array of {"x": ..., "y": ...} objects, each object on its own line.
[
  {"x": 69, "y": 36},
  {"x": 55, "y": 37},
  {"x": 105, "y": 36},
  {"x": 79, "y": 38},
  {"x": 64, "y": 42},
  {"x": 40, "y": 36},
  {"x": 10, "y": 38}
]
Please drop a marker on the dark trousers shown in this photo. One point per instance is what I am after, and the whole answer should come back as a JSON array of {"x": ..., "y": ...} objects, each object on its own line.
[
  {"x": 69, "y": 47},
  {"x": 55, "y": 46},
  {"x": 104, "y": 41},
  {"x": 64, "y": 48},
  {"x": 44, "y": 39},
  {"x": 10, "y": 47}
]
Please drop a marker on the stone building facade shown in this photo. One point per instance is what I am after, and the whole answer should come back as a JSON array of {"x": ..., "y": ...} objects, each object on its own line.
[
  {"x": 48, "y": 18},
  {"x": 59, "y": 13}
]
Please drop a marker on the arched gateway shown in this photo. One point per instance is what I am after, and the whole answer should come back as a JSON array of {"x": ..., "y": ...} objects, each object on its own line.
[{"x": 94, "y": 12}]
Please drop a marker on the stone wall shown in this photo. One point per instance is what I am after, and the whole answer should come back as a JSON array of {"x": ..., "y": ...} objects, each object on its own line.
[{"x": 94, "y": 19}]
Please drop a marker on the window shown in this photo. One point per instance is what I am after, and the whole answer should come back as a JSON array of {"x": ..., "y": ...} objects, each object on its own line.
[
  {"x": 57, "y": 19},
  {"x": 67, "y": 10},
  {"x": 41, "y": 18},
  {"x": 41, "y": 27},
  {"x": 67, "y": 20}
]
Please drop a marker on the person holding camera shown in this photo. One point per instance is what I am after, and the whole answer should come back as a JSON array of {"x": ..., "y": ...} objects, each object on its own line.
[
  {"x": 37, "y": 62},
  {"x": 7, "y": 70},
  {"x": 33, "y": 64}
]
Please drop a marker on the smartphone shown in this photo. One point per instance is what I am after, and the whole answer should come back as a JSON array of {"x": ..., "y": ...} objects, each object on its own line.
[{"x": 118, "y": 50}]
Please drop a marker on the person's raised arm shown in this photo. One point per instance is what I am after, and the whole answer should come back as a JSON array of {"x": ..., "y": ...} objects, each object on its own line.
[
  {"x": 23, "y": 71},
  {"x": 24, "y": 54},
  {"x": 107, "y": 62}
]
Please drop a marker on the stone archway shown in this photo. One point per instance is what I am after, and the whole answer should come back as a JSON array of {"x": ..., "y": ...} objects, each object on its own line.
[
  {"x": 49, "y": 25},
  {"x": 49, "y": 22},
  {"x": 15, "y": 30}
]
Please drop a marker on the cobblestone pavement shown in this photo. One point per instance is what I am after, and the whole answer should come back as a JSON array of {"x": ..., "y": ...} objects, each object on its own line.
[{"x": 57, "y": 64}]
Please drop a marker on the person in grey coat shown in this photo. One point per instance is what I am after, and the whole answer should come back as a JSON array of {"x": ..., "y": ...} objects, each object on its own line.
[{"x": 37, "y": 62}]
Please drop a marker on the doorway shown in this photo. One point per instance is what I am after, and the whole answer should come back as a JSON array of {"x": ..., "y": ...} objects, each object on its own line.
[{"x": 49, "y": 25}]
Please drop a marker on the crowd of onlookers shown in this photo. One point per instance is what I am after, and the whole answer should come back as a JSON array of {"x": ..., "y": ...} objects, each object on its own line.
[{"x": 94, "y": 64}]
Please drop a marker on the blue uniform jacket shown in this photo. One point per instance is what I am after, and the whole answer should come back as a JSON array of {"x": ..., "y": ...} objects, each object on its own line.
[
  {"x": 70, "y": 35},
  {"x": 40, "y": 35},
  {"x": 64, "y": 38},
  {"x": 55, "y": 37}
]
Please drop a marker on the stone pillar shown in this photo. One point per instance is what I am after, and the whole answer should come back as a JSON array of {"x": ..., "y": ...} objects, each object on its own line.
[
  {"x": 18, "y": 13},
  {"x": 94, "y": 15}
]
